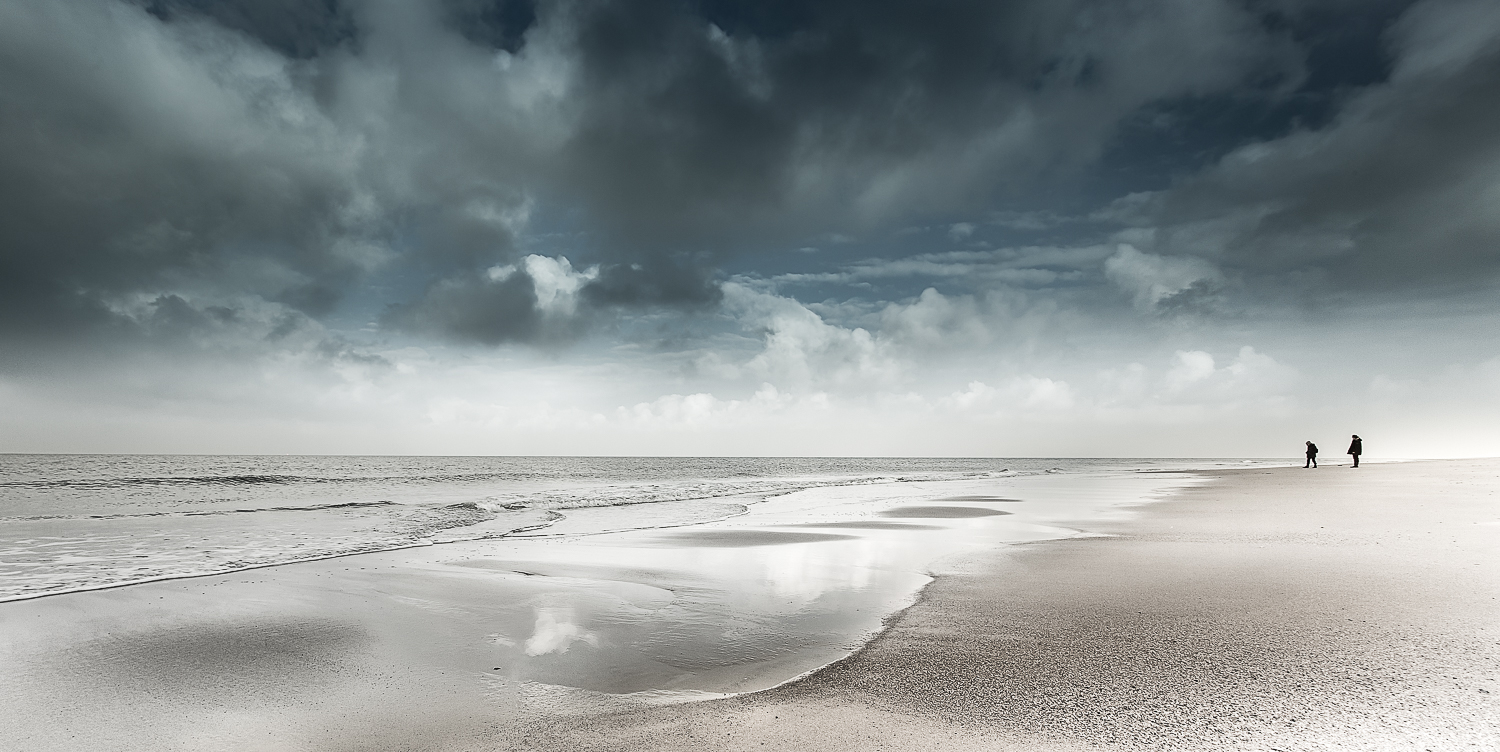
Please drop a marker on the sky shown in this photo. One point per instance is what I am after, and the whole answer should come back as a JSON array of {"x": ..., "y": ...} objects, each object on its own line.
[{"x": 1063, "y": 228}]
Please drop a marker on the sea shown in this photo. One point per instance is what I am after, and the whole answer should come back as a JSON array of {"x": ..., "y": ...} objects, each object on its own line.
[{"x": 84, "y": 522}]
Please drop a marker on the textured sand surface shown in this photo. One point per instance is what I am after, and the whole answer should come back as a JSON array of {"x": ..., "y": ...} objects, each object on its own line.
[{"x": 1283, "y": 609}]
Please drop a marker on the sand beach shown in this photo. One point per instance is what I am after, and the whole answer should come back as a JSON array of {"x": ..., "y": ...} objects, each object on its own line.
[
  {"x": 1272, "y": 609},
  {"x": 1266, "y": 608}
]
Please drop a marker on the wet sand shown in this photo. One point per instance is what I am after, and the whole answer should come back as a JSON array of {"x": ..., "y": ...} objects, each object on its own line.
[
  {"x": 450, "y": 646},
  {"x": 1270, "y": 609},
  {"x": 1282, "y": 609}
]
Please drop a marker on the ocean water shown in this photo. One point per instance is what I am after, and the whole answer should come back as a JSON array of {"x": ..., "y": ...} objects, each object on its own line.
[{"x": 83, "y": 522}]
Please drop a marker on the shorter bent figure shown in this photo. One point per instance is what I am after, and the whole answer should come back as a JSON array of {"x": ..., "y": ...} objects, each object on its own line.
[
  {"x": 1312, "y": 455},
  {"x": 1356, "y": 448}
]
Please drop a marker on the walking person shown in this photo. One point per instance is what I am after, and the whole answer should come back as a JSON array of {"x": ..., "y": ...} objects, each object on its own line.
[
  {"x": 1312, "y": 455},
  {"x": 1356, "y": 448}
]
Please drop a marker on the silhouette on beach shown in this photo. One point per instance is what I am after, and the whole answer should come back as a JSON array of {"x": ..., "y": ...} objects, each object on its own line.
[
  {"x": 1312, "y": 455},
  {"x": 1356, "y": 448}
]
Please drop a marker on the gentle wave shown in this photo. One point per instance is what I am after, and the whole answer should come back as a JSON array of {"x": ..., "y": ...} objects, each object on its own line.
[
  {"x": 626, "y": 495},
  {"x": 85, "y": 555},
  {"x": 130, "y": 515},
  {"x": 245, "y": 480}
]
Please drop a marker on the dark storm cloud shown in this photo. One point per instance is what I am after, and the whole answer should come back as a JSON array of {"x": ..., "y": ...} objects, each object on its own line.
[
  {"x": 1345, "y": 46},
  {"x": 850, "y": 112},
  {"x": 309, "y": 28},
  {"x": 295, "y": 28},
  {"x": 477, "y": 309},
  {"x": 123, "y": 171},
  {"x": 265, "y": 157},
  {"x": 674, "y": 281},
  {"x": 1398, "y": 190}
]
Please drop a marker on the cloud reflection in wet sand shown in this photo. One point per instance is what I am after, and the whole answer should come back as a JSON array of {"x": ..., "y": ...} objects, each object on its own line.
[{"x": 556, "y": 631}]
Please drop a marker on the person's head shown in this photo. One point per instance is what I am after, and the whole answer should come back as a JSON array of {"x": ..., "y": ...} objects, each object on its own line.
[
  {"x": 1356, "y": 436},
  {"x": 1309, "y": 443}
]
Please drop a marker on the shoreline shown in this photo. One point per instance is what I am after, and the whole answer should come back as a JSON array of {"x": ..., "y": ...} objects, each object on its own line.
[
  {"x": 1150, "y": 656},
  {"x": 512, "y": 631},
  {"x": 540, "y": 515}
]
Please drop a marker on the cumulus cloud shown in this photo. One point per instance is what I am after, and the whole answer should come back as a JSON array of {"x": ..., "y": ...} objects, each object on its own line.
[
  {"x": 1196, "y": 376},
  {"x": 1191, "y": 378},
  {"x": 935, "y": 319},
  {"x": 801, "y": 349},
  {"x": 1025, "y": 393},
  {"x": 705, "y": 411}
]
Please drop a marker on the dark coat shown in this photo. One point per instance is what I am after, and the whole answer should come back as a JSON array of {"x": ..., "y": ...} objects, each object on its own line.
[
  {"x": 1312, "y": 450},
  {"x": 1356, "y": 447}
]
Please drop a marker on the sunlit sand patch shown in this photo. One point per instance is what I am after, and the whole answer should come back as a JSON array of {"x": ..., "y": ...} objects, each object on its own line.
[
  {"x": 940, "y": 512},
  {"x": 746, "y": 538}
]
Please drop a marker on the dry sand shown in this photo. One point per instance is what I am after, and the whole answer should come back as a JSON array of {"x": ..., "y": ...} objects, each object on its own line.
[{"x": 1282, "y": 609}]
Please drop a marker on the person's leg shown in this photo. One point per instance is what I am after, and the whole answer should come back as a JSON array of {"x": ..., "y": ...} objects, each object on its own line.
[{"x": 1356, "y": 460}]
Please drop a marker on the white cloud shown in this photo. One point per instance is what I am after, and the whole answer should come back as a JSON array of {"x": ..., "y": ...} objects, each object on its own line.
[
  {"x": 705, "y": 411},
  {"x": 557, "y": 284},
  {"x": 935, "y": 319},
  {"x": 1130, "y": 383},
  {"x": 692, "y": 409},
  {"x": 1196, "y": 377},
  {"x": 800, "y": 349},
  {"x": 1152, "y": 279},
  {"x": 1044, "y": 393},
  {"x": 1189, "y": 368},
  {"x": 1028, "y": 393}
]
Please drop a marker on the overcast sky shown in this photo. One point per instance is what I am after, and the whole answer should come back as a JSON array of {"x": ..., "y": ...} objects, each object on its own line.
[{"x": 957, "y": 227}]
